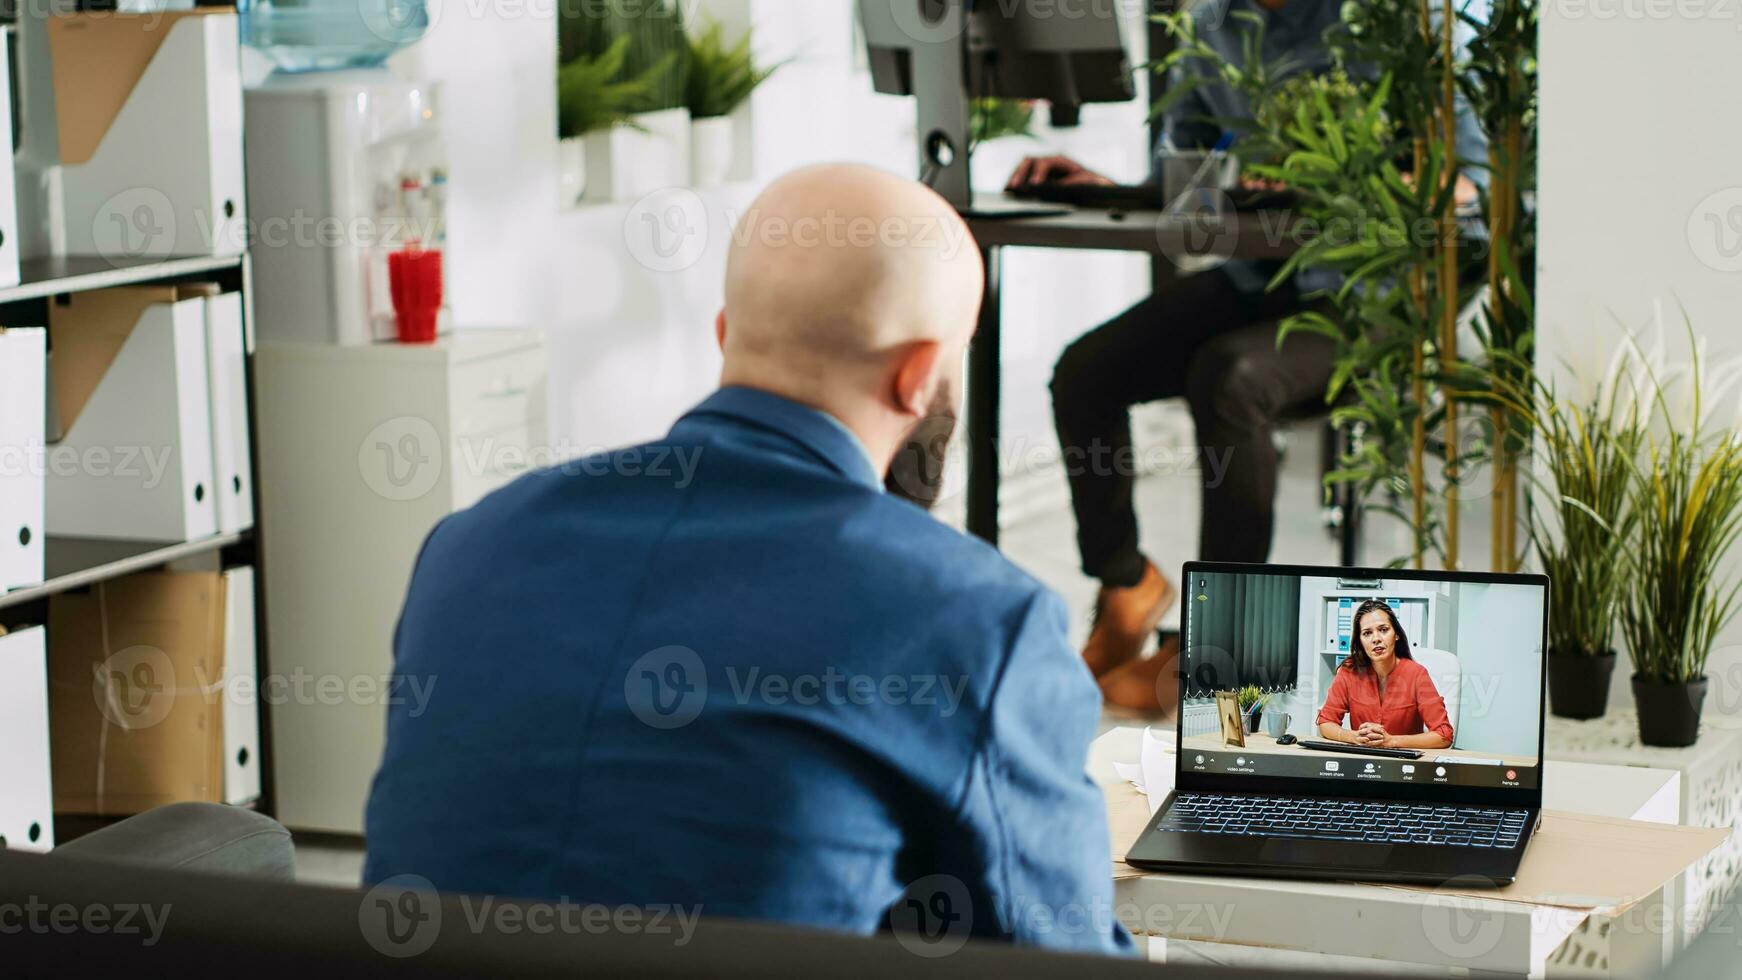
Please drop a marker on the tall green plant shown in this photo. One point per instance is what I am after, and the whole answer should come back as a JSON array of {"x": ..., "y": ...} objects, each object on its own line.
[
  {"x": 1688, "y": 497},
  {"x": 1589, "y": 454},
  {"x": 721, "y": 75},
  {"x": 1371, "y": 152},
  {"x": 656, "y": 53}
]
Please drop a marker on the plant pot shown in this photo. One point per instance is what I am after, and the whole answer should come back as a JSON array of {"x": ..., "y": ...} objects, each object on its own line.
[
  {"x": 1578, "y": 686},
  {"x": 1669, "y": 714},
  {"x": 713, "y": 148},
  {"x": 627, "y": 163},
  {"x": 571, "y": 171}
]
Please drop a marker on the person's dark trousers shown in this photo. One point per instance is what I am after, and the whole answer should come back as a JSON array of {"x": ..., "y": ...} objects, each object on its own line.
[{"x": 1200, "y": 338}]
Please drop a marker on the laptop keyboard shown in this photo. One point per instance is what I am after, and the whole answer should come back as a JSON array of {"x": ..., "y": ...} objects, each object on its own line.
[{"x": 1369, "y": 821}]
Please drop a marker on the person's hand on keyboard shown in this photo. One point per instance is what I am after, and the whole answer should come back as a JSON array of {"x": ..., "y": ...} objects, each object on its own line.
[{"x": 1054, "y": 170}]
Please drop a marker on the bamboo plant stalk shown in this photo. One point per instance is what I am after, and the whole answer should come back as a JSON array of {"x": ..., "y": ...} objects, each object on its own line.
[{"x": 1448, "y": 246}]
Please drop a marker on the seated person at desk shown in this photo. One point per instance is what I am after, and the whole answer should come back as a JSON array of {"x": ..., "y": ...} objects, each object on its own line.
[
  {"x": 758, "y": 686},
  {"x": 1390, "y": 700},
  {"x": 1210, "y": 338}
]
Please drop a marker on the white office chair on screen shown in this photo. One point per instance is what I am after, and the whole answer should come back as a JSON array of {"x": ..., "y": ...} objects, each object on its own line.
[{"x": 1447, "y": 673}]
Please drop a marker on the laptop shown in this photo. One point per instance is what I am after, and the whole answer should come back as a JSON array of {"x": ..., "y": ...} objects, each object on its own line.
[{"x": 1447, "y": 785}]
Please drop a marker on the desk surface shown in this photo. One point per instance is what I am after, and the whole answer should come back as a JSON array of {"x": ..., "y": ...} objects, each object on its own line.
[{"x": 1251, "y": 235}]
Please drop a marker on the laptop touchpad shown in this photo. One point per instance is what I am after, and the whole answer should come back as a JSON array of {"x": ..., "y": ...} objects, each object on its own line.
[{"x": 1319, "y": 854}]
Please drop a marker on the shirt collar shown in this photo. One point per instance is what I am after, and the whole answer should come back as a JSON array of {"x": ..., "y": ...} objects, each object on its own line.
[{"x": 816, "y": 431}]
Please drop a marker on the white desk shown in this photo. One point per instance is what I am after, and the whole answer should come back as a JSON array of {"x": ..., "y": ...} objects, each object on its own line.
[{"x": 1253, "y": 922}]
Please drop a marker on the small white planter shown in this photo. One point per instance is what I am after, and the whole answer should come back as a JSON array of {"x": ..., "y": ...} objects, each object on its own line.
[
  {"x": 628, "y": 163},
  {"x": 571, "y": 171},
  {"x": 713, "y": 150}
]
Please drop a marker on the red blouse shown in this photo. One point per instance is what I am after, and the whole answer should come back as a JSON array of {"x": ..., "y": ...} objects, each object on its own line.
[{"x": 1412, "y": 704}]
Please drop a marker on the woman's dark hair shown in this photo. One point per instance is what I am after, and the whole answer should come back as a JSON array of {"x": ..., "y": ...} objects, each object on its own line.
[{"x": 1358, "y": 660}]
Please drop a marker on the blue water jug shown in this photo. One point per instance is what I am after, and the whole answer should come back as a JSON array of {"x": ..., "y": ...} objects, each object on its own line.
[{"x": 326, "y": 35}]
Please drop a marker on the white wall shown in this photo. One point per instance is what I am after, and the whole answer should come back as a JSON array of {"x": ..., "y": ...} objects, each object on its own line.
[
  {"x": 495, "y": 61},
  {"x": 1641, "y": 199}
]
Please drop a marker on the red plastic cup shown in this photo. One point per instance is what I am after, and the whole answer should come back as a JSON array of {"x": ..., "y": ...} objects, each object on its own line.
[{"x": 415, "y": 279}]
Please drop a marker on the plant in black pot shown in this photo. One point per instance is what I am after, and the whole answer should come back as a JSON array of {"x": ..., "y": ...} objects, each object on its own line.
[
  {"x": 1588, "y": 457},
  {"x": 1252, "y": 701},
  {"x": 1688, "y": 498}
]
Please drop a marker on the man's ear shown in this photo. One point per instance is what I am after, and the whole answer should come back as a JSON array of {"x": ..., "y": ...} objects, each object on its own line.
[
  {"x": 720, "y": 330},
  {"x": 916, "y": 375}
]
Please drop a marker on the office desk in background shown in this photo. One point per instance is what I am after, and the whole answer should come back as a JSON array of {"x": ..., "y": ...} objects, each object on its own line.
[{"x": 1260, "y": 235}]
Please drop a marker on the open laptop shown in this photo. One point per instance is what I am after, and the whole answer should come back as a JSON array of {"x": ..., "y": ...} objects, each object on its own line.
[{"x": 1455, "y": 791}]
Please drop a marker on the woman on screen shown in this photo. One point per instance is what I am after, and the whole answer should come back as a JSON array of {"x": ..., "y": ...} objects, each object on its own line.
[{"x": 1390, "y": 700}]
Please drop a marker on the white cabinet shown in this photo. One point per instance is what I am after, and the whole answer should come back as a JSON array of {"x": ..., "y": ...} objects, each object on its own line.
[{"x": 362, "y": 451}]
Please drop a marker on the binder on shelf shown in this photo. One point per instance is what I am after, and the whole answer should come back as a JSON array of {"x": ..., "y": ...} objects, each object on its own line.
[
  {"x": 241, "y": 684},
  {"x": 131, "y": 405},
  {"x": 149, "y": 108},
  {"x": 9, "y": 231},
  {"x": 26, "y": 792},
  {"x": 23, "y": 375},
  {"x": 227, "y": 389},
  {"x": 136, "y": 704}
]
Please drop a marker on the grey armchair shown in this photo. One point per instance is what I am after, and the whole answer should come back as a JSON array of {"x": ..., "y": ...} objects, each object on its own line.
[{"x": 200, "y": 837}]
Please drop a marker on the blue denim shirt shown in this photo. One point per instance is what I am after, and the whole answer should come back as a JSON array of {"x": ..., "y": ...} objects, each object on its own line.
[
  {"x": 726, "y": 672},
  {"x": 1295, "y": 34}
]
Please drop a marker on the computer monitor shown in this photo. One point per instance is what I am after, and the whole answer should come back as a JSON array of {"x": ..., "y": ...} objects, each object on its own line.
[
  {"x": 949, "y": 52},
  {"x": 1471, "y": 701}
]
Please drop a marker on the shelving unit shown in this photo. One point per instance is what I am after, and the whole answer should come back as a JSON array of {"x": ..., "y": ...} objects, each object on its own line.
[{"x": 76, "y": 563}]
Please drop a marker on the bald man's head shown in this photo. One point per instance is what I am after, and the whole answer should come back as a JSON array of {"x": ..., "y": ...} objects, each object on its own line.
[{"x": 852, "y": 290}]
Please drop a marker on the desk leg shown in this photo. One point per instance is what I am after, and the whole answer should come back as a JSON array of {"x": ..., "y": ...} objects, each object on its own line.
[{"x": 984, "y": 370}]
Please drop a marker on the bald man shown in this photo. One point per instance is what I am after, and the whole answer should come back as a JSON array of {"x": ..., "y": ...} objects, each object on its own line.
[{"x": 726, "y": 673}]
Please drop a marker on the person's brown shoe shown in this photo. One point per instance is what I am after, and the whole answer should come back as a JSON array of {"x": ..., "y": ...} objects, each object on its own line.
[
  {"x": 1125, "y": 619},
  {"x": 1149, "y": 686}
]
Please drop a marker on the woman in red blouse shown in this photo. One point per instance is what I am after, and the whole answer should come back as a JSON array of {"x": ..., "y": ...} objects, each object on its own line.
[{"x": 1390, "y": 699}]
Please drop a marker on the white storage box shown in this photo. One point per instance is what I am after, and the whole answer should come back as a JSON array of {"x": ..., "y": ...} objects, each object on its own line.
[
  {"x": 149, "y": 108},
  {"x": 130, "y": 393},
  {"x": 232, "y": 452},
  {"x": 23, "y": 373},
  {"x": 241, "y": 690},
  {"x": 26, "y": 796}
]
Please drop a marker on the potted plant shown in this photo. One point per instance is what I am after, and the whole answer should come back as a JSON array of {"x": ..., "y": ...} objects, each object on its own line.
[
  {"x": 1589, "y": 456},
  {"x": 1688, "y": 499},
  {"x": 592, "y": 98},
  {"x": 640, "y": 142},
  {"x": 1252, "y": 702},
  {"x": 722, "y": 77}
]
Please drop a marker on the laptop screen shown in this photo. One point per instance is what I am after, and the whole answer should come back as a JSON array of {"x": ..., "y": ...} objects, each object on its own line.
[{"x": 1446, "y": 665}]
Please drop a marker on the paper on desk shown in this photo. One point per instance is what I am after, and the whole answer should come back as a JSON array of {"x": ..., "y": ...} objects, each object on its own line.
[{"x": 1155, "y": 768}]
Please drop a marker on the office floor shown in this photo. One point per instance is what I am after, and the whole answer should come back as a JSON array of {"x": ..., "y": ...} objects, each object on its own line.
[{"x": 1045, "y": 545}]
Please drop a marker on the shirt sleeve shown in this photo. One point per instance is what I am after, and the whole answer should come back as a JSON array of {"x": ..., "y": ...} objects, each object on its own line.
[
  {"x": 1041, "y": 820},
  {"x": 1432, "y": 706},
  {"x": 1337, "y": 702}
]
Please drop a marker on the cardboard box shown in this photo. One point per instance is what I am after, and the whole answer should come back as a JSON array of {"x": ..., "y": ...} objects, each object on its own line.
[
  {"x": 132, "y": 407},
  {"x": 136, "y": 705},
  {"x": 149, "y": 109}
]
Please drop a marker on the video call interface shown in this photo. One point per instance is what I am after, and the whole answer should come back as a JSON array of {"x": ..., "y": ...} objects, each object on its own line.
[{"x": 1415, "y": 681}]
